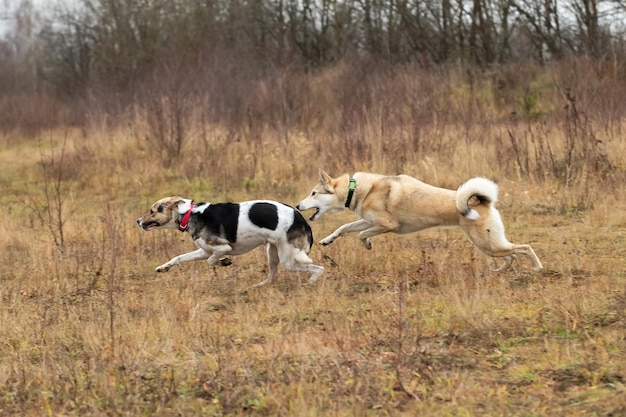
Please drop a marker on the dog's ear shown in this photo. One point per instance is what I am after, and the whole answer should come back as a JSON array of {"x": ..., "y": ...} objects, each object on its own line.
[
  {"x": 174, "y": 201},
  {"x": 324, "y": 177}
]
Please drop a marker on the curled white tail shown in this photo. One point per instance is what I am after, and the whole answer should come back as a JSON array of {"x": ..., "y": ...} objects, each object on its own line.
[{"x": 482, "y": 188}]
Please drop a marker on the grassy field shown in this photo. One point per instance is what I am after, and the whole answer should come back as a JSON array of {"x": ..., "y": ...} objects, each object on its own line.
[{"x": 419, "y": 325}]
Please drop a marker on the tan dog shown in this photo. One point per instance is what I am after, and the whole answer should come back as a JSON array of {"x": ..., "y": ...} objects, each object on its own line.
[{"x": 402, "y": 204}]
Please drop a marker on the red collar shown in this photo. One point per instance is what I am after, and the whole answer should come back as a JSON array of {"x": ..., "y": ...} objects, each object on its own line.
[{"x": 183, "y": 226}]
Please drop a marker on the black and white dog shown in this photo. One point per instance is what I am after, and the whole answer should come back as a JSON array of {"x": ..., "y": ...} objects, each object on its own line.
[{"x": 236, "y": 228}]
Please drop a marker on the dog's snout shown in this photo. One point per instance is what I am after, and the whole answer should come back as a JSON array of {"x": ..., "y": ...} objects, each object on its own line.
[
  {"x": 139, "y": 222},
  {"x": 298, "y": 206}
]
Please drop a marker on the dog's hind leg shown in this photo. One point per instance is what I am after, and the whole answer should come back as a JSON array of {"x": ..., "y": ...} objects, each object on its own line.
[
  {"x": 305, "y": 264},
  {"x": 510, "y": 253},
  {"x": 293, "y": 260},
  {"x": 272, "y": 261},
  {"x": 488, "y": 236},
  {"x": 316, "y": 271},
  {"x": 528, "y": 251},
  {"x": 508, "y": 262},
  {"x": 196, "y": 255}
]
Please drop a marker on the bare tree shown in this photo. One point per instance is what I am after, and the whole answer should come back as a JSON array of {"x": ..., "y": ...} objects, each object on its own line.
[{"x": 586, "y": 15}]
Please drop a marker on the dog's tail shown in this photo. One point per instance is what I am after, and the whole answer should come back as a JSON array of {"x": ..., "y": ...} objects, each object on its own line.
[
  {"x": 300, "y": 236},
  {"x": 485, "y": 190}
]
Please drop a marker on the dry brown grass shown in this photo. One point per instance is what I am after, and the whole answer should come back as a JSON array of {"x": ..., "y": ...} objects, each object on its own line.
[{"x": 418, "y": 326}]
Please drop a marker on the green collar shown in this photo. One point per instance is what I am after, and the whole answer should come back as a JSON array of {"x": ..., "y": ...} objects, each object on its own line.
[{"x": 351, "y": 188}]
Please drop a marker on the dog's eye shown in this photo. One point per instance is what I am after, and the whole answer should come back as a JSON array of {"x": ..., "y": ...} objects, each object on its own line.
[
  {"x": 160, "y": 209},
  {"x": 313, "y": 193}
]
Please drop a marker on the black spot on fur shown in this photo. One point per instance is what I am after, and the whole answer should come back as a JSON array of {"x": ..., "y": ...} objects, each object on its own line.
[
  {"x": 219, "y": 219},
  {"x": 264, "y": 215}
]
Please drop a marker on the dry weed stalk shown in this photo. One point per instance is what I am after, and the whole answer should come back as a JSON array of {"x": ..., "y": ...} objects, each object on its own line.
[
  {"x": 113, "y": 235},
  {"x": 51, "y": 210}
]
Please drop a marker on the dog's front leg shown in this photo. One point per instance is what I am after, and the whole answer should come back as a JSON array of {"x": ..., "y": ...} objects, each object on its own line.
[
  {"x": 272, "y": 260},
  {"x": 218, "y": 252},
  {"x": 372, "y": 231},
  {"x": 357, "y": 226},
  {"x": 217, "y": 246},
  {"x": 196, "y": 255}
]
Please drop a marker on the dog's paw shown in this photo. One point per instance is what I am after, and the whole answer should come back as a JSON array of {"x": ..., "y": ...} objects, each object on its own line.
[
  {"x": 262, "y": 283},
  {"x": 367, "y": 243},
  {"x": 226, "y": 261},
  {"x": 162, "y": 268},
  {"x": 327, "y": 241}
]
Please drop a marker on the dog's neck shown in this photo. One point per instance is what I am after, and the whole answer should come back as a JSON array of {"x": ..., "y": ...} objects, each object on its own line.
[
  {"x": 184, "y": 209},
  {"x": 351, "y": 188}
]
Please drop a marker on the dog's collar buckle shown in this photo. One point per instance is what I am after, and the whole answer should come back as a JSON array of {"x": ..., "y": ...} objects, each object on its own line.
[
  {"x": 351, "y": 188},
  {"x": 184, "y": 224}
]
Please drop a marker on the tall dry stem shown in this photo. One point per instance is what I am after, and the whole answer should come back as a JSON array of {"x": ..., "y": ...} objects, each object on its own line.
[
  {"x": 168, "y": 120},
  {"x": 401, "y": 334},
  {"x": 112, "y": 232},
  {"x": 585, "y": 153},
  {"x": 51, "y": 210}
]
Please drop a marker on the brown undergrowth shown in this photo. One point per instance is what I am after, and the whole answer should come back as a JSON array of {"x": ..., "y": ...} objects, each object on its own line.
[{"x": 419, "y": 325}]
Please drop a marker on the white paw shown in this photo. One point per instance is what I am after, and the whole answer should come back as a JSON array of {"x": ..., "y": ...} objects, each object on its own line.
[
  {"x": 315, "y": 276},
  {"x": 163, "y": 268},
  {"x": 327, "y": 240},
  {"x": 367, "y": 243},
  {"x": 312, "y": 280}
]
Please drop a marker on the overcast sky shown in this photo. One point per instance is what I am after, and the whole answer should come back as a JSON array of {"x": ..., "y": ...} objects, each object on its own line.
[{"x": 9, "y": 7}]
